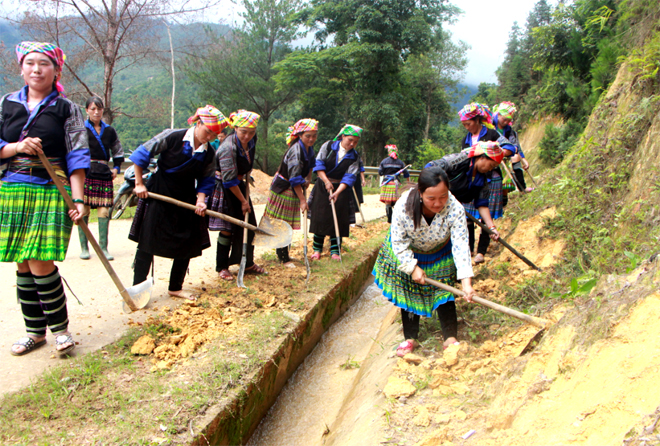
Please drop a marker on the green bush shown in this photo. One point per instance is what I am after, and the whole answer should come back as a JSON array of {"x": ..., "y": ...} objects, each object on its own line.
[{"x": 558, "y": 140}]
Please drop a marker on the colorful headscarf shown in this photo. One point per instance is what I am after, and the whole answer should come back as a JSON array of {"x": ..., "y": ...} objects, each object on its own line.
[
  {"x": 244, "y": 118},
  {"x": 506, "y": 109},
  {"x": 50, "y": 50},
  {"x": 392, "y": 149},
  {"x": 474, "y": 109},
  {"x": 211, "y": 117},
  {"x": 489, "y": 148},
  {"x": 349, "y": 130},
  {"x": 302, "y": 126}
]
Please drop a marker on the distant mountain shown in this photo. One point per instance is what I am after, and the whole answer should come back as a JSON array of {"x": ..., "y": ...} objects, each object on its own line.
[{"x": 467, "y": 91}]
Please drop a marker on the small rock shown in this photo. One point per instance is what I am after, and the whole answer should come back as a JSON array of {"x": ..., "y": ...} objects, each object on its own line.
[
  {"x": 397, "y": 387},
  {"x": 412, "y": 358},
  {"x": 459, "y": 415},
  {"x": 451, "y": 355},
  {"x": 143, "y": 346}
]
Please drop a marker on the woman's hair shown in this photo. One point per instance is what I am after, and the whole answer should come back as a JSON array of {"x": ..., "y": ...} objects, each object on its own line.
[
  {"x": 94, "y": 100},
  {"x": 429, "y": 177}
]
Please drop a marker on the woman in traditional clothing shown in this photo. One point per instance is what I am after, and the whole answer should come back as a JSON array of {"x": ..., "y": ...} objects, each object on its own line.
[
  {"x": 478, "y": 121},
  {"x": 428, "y": 238},
  {"x": 470, "y": 171},
  {"x": 186, "y": 167},
  {"x": 35, "y": 222},
  {"x": 391, "y": 168},
  {"x": 235, "y": 158},
  {"x": 104, "y": 145},
  {"x": 286, "y": 198},
  {"x": 502, "y": 120},
  {"x": 337, "y": 167}
]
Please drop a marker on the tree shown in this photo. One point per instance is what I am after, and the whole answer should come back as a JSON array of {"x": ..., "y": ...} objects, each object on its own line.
[
  {"x": 356, "y": 74},
  {"x": 237, "y": 72},
  {"x": 115, "y": 33}
]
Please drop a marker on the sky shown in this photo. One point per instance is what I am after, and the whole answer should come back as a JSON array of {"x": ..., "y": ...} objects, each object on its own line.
[{"x": 485, "y": 26}]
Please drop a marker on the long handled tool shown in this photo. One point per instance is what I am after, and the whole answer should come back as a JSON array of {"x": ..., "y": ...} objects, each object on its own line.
[
  {"x": 269, "y": 234},
  {"x": 304, "y": 223},
  {"x": 226, "y": 217},
  {"x": 506, "y": 245},
  {"x": 537, "y": 321},
  {"x": 135, "y": 297},
  {"x": 364, "y": 221},
  {"x": 388, "y": 178},
  {"x": 241, "y": 269},
  {"x": 334, "y": 217},
  {"x": 532, "y": 177},
  {"x": 514, "y": 179}
]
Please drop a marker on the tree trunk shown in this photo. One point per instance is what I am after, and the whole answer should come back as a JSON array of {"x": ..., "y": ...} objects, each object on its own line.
[{"x": 428, "y": 121}]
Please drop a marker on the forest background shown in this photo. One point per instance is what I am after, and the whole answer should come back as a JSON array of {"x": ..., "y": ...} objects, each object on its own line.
[{"x": 390, "y": 67}]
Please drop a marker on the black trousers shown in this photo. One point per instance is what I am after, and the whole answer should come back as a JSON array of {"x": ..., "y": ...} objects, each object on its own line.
[
  {"x": 520, "y": 175},
  {"x": 143, "y": 261},
  {"x": 484, "y": 239},
  {"x": 446, "y": 314}
]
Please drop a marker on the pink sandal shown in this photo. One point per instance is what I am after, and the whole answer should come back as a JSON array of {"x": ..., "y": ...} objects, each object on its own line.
[
  {"x": 404, "y": 348},
  {"x": 315, "y": 256},
  {"x": 225, "y": 275},
  {"x": 336, "y": 257}
]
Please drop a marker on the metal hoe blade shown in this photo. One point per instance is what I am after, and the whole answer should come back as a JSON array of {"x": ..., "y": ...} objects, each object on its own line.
[
  {"x": 281, "y": 230},
  {"x": 140, "y": 294}
]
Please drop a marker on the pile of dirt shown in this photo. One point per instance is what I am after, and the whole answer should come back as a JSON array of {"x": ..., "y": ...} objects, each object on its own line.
[
  {"x": 222, "y": 307},
  {"x": 259, "y": 192}
]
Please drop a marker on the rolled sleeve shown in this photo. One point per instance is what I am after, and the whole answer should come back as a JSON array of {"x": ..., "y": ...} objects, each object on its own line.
[
  {"x": 206, "y": 185},
  {"x": 296, "y": 181},
  {"x": 78, "y": 159},
  {"x": 141, "y": 157}
]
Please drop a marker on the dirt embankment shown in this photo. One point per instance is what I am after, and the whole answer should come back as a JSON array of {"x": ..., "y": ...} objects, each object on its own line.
[{"x": 590, "y": 381}]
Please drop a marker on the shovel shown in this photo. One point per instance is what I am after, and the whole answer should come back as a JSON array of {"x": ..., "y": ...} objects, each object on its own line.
[
  {"x": 334, "y": 217},
  {"x": 364, "y": 221},
  {"x": 304, "y": 222},
  {"x": 532, "y": 177},
  {"x": 536, "y": 321},
  {"x": 241, "y": 269},
  {"x": 135, "y": 297}
]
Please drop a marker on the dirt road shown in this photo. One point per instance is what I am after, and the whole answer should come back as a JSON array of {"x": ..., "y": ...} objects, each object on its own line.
[{"x": 100, "y": 320}]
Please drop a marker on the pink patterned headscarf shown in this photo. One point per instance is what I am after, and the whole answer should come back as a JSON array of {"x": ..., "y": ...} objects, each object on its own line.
[
  {"x": 473, "y": 110},
  {"x": 54, "y": 52},
  {"x": 489, "y": 148},
  {"x": 302, "y": 126},
  {"x": 211, "y": 117},
  {"x": 506, "y": 109},
  {"x": 392, "y": 150},
  {"x": 244, "y": 118}
]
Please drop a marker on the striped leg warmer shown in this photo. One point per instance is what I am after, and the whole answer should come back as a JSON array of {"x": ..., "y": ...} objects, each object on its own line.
[
  {"x": 53, "y": 301},
  {"x": 26, "y": 291}
]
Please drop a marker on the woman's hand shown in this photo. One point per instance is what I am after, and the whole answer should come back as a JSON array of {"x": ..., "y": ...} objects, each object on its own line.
[
  {"x": 468, "y": 290},
  {"x": 419, "y": 275},
  {"x": 333, "y": 196},
  {"x": 525, "y": 164},
  {"x": 303, "y": 206},
  {"x": 495, "y": 235},
  {"x": 29, "y": 146},
  {"x": 114, "y": 173},
  {"x": 141, "y": 191},
  {"x": 328, "y": 187},
  {"x": 245, "y": 207},
  {"x": 201, "y": 208},
  {"x": 77, "y": 214}
]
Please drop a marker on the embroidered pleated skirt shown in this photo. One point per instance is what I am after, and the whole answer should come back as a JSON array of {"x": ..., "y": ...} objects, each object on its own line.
[
  {"x": 284, "y": 206},
  {"x": 34, "y": 223},
  {"x": 389, "y": 193},
  {"x": 402, "y": 291},
  {"x": 495, "y": 199},
  {"x": 98, "y": 193}
]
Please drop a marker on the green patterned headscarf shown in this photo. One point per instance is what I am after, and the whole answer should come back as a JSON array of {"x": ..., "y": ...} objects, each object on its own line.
[{"x": 349, "y": 130}]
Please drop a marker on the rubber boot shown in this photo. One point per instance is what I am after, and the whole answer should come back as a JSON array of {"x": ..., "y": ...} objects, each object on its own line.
[
  {"x": 84, "y": 249},
  {"x": 103, "y": 237}
]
